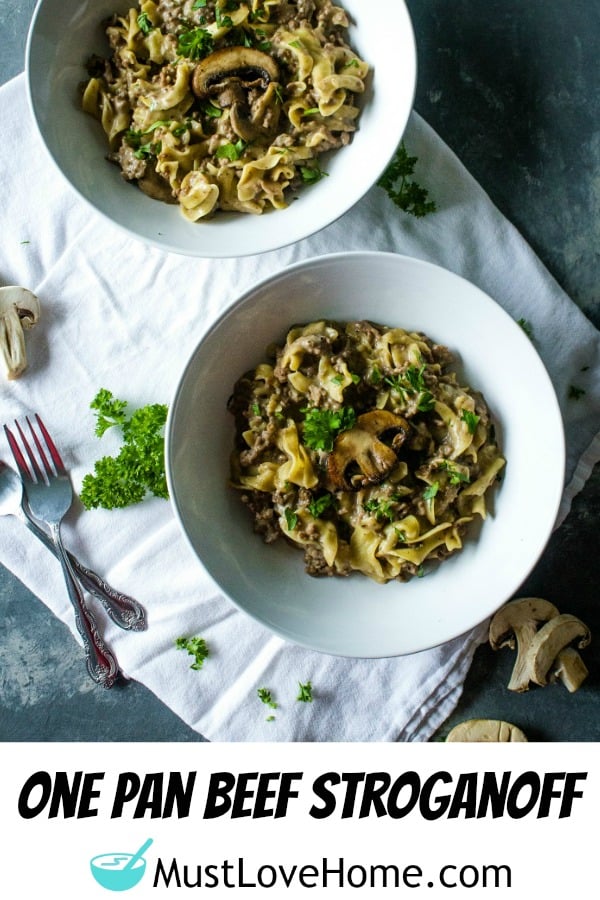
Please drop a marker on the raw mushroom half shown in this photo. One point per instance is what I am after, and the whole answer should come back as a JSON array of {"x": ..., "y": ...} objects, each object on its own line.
[
  {"x": 19, "y": 310},
  {"x": 544, "y": 639},
  {"x": 238, "y": 79},
  {"x": 554, "y": 658},
  {"x": 515, "y": 625},
  {"x": 486, "y": 731}
]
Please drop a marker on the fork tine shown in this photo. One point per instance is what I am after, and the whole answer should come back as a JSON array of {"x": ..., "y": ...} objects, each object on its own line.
[
  {"x": 17, "y": 454},
  {"x": 56, "y": 458},
  {"x": 40, "y": 449},
  {"x": 38, "y": 474}
]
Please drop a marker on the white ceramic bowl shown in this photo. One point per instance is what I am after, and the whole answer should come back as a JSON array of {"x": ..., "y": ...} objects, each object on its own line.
[
  {"x": 64, "y": 33},
  {"x": 354, "y": 616}
]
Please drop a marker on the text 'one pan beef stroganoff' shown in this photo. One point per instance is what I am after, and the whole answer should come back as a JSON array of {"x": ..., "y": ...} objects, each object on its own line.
[
  {"x": 226, "y": 105},
  {"x": 359, "y": 444}
]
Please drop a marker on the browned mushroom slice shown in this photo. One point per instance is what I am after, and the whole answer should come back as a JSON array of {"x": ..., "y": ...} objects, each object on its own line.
[
  {"x": 228, "y": 76},
  {"x": 248, "y": 66},
  {"x": 360, "y": 457}
]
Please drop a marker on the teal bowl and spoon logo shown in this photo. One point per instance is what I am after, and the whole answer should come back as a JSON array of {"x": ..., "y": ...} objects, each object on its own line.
[{"x": 120, "y": 871}]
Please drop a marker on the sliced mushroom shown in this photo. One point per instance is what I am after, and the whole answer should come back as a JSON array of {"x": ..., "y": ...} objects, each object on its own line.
[
  {"x": 552, "y": 656},
  {"x": 359, "y": 456},
  {"x": 516, "y": 624},
  {"x": 246, "y": 65},
  {"x": 486, "y": 731},
  {"x": 228, "y": 75},
  {"x": 19, "y": 310}
]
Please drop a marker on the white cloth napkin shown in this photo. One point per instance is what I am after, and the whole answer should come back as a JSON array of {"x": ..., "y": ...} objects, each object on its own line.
[{"x": 119, "y": 315}]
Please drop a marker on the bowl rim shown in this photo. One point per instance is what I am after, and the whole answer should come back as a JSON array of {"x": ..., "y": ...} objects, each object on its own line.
[
  {"x": 245, "y": 297},
  {"x": 220, "y": 250}
]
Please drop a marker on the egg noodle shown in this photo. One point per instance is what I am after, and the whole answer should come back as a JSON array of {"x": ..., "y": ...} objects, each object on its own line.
[
  {"x": 225, "y": 105},
  {"x": 358, "y": 443}
]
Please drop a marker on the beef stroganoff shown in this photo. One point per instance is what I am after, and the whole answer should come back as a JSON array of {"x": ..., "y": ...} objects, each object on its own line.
[
  {"x": 359, "y": 444},
  {"x": 225, "y": 105}
]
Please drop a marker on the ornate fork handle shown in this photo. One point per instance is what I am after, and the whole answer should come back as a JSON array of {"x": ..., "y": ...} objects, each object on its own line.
[
  {"x": 124, "y": 611},
  {"x": 101, "y": 663}
]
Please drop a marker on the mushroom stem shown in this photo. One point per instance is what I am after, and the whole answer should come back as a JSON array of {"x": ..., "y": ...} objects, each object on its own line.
[
  {"x": 551, "y": 655},
  {"x": 570, "y": 669}
]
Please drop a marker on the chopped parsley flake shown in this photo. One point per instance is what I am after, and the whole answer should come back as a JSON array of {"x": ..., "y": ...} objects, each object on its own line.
[
  {"x": 382, "y": 509},
  {"x": 195, "y": 43},
  {"x": 305, "y": 692},
  {"x": 456, "y": 475},
  {"x": 312, "y": 174},
  {"x": 575, "y": 393},
  {"x": 147, "y": 149},
  {"x": 430, "y": 491},
  {"x": 196, "y": 647},
  {"x": 221, "y": 20},
  {"x": 411, "y": 382},
  {"x": 231, "y": 151},
  {"x": 317, "y": 507},
  {"x": 291, "y": 518},
  {"x": 210, "y": 110},
  {"x": 470, "y": 419},
  {"x": 265, "y": 696},
  {"x": 144, "y": 23}
]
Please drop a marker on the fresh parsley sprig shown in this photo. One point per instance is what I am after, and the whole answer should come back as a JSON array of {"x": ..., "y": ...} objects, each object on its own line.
[
  {"x": 196, "y": 647},
  {"x": 322, "y": 425},
  {"x": 405, "y": 193},
  {"x": 139, "y": 466},
  {"x": 305, "y": 692},
  {"x": 194, "y": 43},
  {"x": 109, "y": 411},
  {"x": 411, "y": 382}
]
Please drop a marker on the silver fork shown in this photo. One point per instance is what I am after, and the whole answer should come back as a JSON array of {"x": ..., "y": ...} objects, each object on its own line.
[
  {"x": 50, "y": 495},
  {"x": 124, "y": 611}
]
